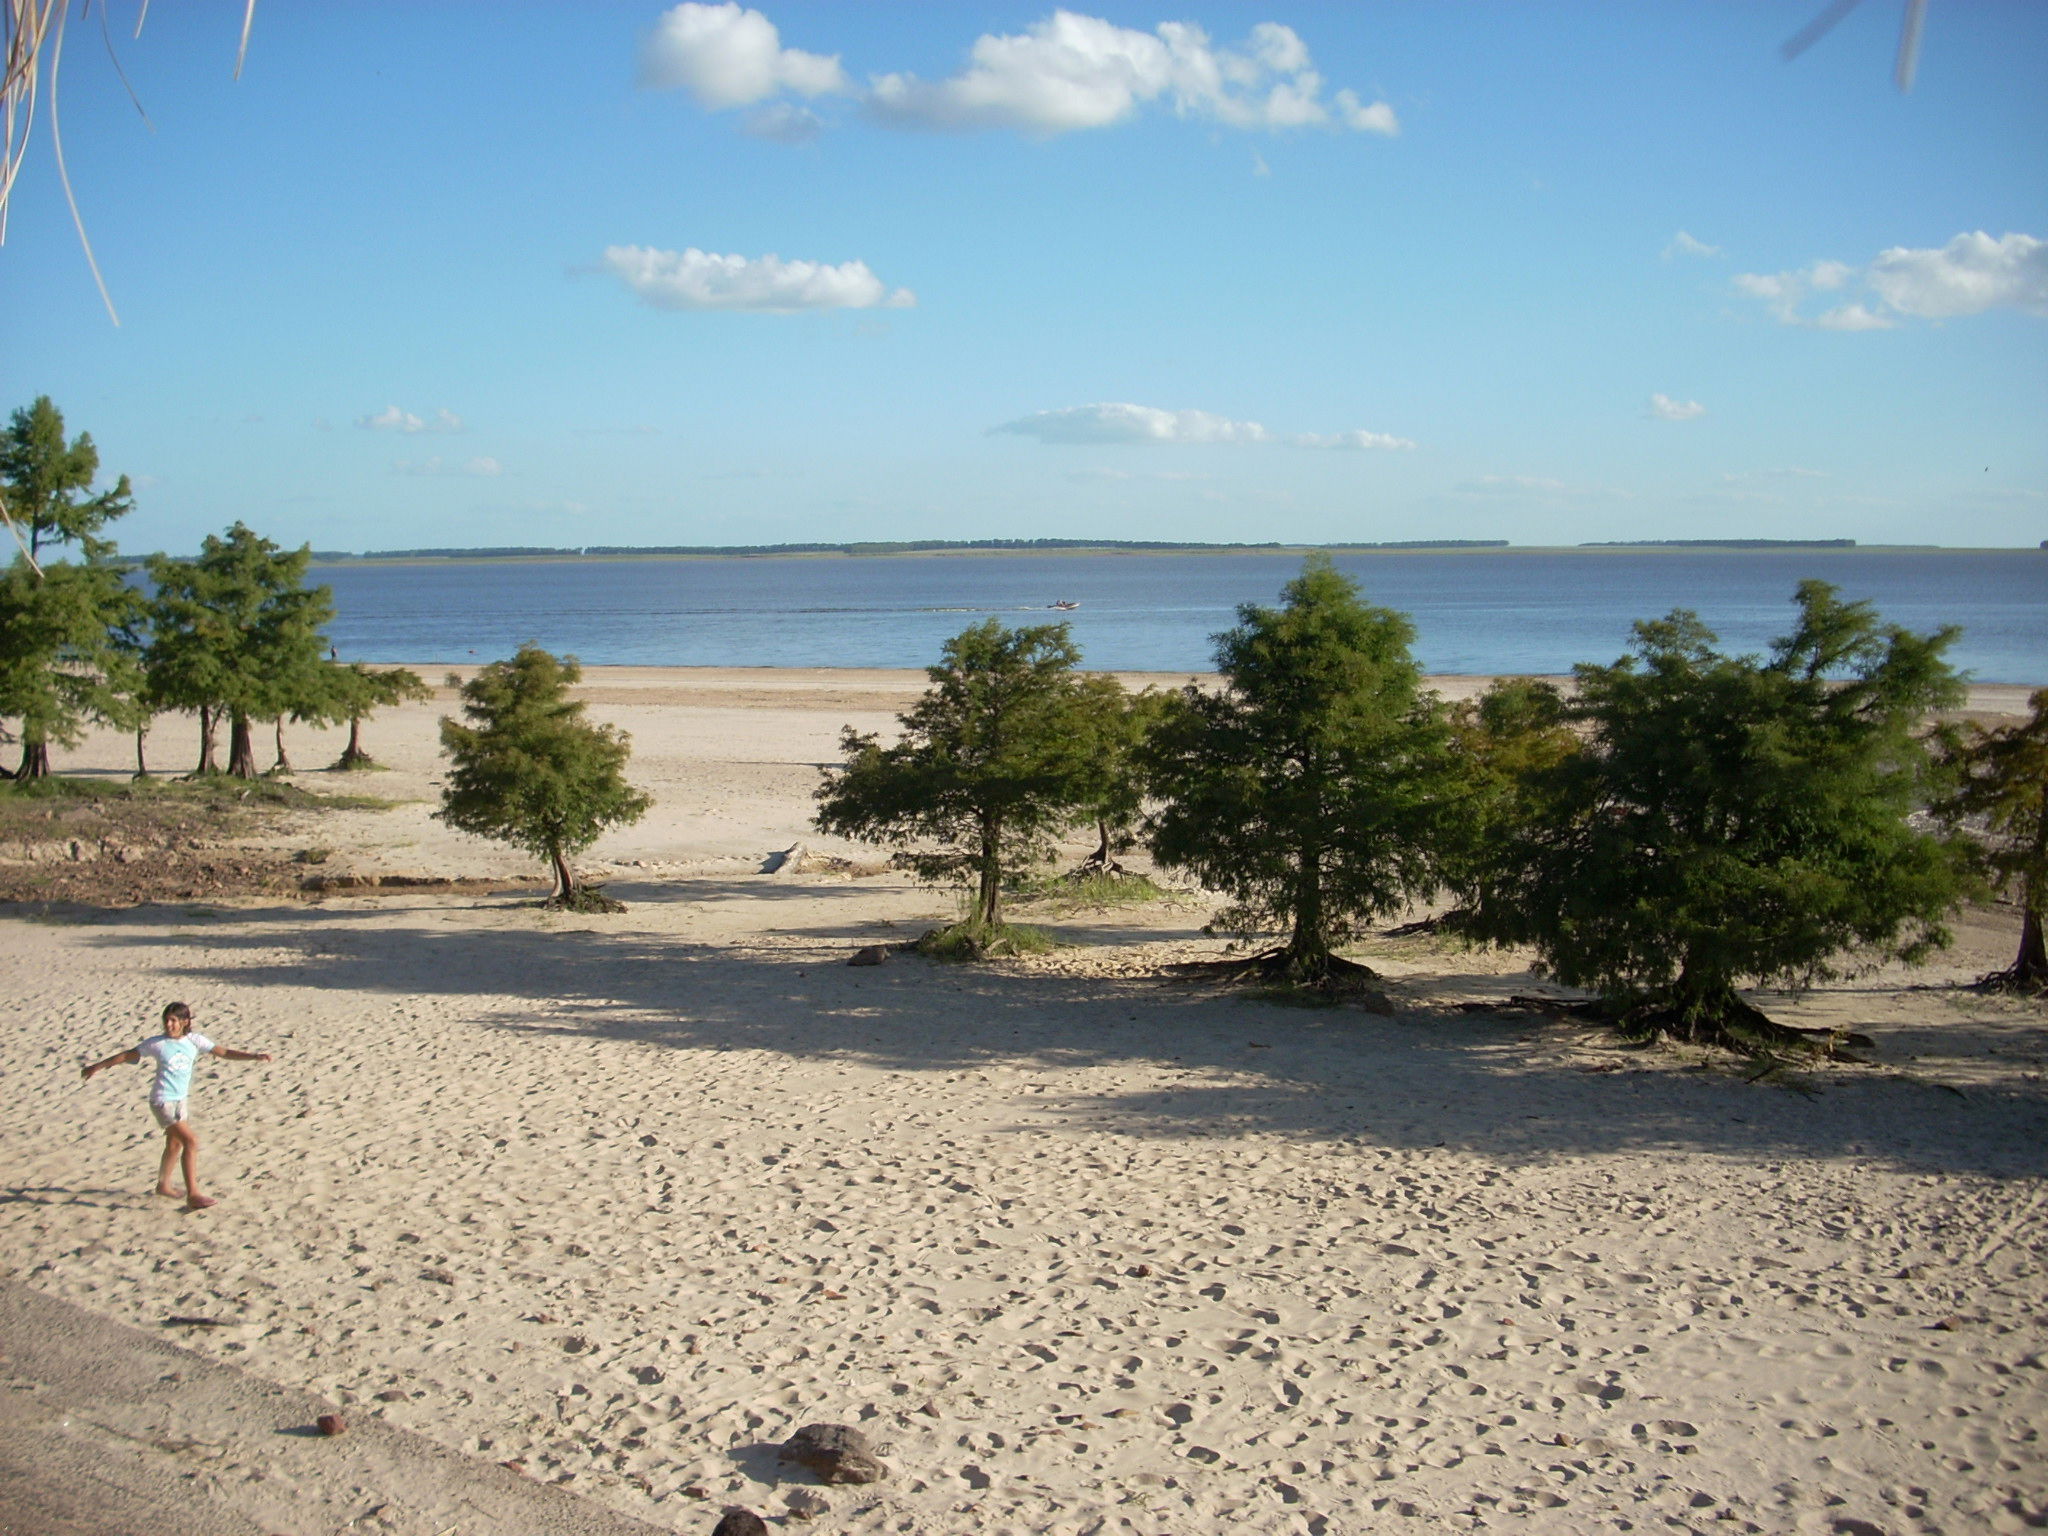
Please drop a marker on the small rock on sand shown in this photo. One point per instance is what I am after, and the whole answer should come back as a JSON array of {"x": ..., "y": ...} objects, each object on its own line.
[
  {"x": 837, "y": 1453},
  {"x": 872, "y": 954},
  {"x": 807, "y": 1503}
]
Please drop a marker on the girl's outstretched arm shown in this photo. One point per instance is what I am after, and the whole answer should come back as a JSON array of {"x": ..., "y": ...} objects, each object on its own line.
[{"x": 119, "y": 1058}]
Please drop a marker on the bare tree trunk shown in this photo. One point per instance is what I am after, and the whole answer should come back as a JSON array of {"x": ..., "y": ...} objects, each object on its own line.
[
  {"x": 1103, "y": 858},
  {"x": 207, "y": 722},
  {"x": 241, "y": 748},
  {"x": 283, "y": 763},
  {"x": 988, "y": 896},
  {"x": 35, "y": 760},
  {"x": 353, "y": 755},
  {"x": 565, "y": 879},
  {"x": 1308, "y": 947},
  {"x": 141, "y": 758},
  {"x": 2031, "y": 968}
]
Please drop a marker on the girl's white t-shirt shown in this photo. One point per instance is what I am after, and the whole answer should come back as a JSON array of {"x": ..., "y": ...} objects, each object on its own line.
[{"x": 173, "y": 1061}]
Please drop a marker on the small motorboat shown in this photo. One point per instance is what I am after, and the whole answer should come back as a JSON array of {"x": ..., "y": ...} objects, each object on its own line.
[{"x": 1064, "y": 605}]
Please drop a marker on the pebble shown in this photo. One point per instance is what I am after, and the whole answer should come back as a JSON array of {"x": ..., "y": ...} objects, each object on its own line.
[{"x": 807, "y": 1503}]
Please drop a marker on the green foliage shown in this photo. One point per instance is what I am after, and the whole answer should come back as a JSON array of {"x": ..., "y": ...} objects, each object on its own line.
[
  {"x": 355, "y": 692},
  {"x": 62, "y": 663},
  {"x": 1114, "y": 724},
  {"x": 1731, "y": 818},
  {"x": 1307, "y": 790},
  {"x": 2000, "y": 786},
  {"x": 66, "y": 631},
  {"x": 1504, "y": 746},
  {"x": 43, "y": 481},
  {"x": 992, "y": 761},
  {"x": 529, "y": 770},
  {"x": 237, "y": 633}
]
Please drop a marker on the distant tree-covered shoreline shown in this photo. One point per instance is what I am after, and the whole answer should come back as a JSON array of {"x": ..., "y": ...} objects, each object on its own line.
[{"x": 885, "y": 547}]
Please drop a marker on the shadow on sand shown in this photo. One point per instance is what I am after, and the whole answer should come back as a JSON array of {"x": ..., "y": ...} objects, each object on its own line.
[{"x": 1518, "y": 1089}]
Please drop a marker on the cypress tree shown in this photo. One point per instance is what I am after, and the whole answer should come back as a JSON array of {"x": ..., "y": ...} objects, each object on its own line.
[
  {"x": 1307, "y": 789},
  {"x": 526, "y": 768}
]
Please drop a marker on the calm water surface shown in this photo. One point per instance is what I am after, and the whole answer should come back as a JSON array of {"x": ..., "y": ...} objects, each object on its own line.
[{"x": 1475, "y": 612}]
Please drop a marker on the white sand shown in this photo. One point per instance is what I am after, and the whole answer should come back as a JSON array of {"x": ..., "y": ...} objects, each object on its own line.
[{"x": 1084, "y": 1247}]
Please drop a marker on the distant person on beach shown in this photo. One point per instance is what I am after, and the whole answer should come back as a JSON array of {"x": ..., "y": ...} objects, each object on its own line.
[{"x": 173, "y": 1053}]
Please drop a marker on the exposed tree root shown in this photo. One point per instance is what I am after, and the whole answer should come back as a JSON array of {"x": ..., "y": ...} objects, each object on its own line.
[
  {"x": 1725, "y": 1022},
  {"x": 1452, "y": 921},
  {"x": 585, "y": 898},
  {"x": 1281, "y": 967},
  {"x": 2026, "y": 980},
  {"x": 1102, "y": 862}
]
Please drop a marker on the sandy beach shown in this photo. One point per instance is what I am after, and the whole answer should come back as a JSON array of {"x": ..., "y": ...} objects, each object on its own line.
[{"x": 1083, "y": 1246}]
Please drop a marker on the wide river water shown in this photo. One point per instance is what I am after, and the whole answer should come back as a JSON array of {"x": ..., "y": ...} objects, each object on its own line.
[{"x": 1492, "y": 611}]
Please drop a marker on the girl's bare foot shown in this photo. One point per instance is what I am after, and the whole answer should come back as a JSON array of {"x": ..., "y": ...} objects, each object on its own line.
[
  {"x": 168, "y": 1194},
  {"x": 199, "y": 1203}
]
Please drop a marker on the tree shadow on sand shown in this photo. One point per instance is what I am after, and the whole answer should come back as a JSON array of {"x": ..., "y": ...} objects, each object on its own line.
[{"x": 1516, "y": 1088}]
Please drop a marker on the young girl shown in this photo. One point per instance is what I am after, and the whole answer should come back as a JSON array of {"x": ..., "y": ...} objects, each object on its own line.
[{"x": 172, "y": 1053}]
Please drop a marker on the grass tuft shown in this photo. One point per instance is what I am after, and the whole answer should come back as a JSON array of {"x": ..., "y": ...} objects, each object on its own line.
[
  {"x": 1087, "y": 889},
  {"x": 971, "y": 941}
]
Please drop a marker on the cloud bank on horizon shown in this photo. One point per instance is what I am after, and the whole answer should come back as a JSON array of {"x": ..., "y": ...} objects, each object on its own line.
[
  {"x": 392, "y": 419},
  {"x": 1067, "y": 73},
  {"x": 482, "y": 467},
  {"x": 1112, "y": 422}
]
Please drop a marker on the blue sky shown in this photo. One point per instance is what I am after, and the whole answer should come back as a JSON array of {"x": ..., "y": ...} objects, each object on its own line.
[{"x": 468, "y": 274}]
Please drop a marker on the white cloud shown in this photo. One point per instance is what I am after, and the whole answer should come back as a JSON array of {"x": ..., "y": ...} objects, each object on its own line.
[
  {"x": 727, "y": 56},
  {"x": 1683, "y": 244},
  {"x": 1784, "y": 292},
  {"x": 1664, "y": 408},
  {"x": 1072, "y": 72},
  {"x": 783, "y": 122},
  {"x": 1064, "y": 73},
  {"x": 1358, "y": 437},
  {"x": 1970, "y": 275},
  {"x": 1367, "y": 117},
  {"x": 694, "y": 279},
  {"x": 477, "y": 468},
  {"x": 1851, "y": 317},
  {"x": 1117, "y": 422},
  {"x": 392, "y": 419}
]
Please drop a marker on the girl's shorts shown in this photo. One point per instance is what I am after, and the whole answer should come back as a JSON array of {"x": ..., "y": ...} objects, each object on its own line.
[{"x": 170, "y": 1113}]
